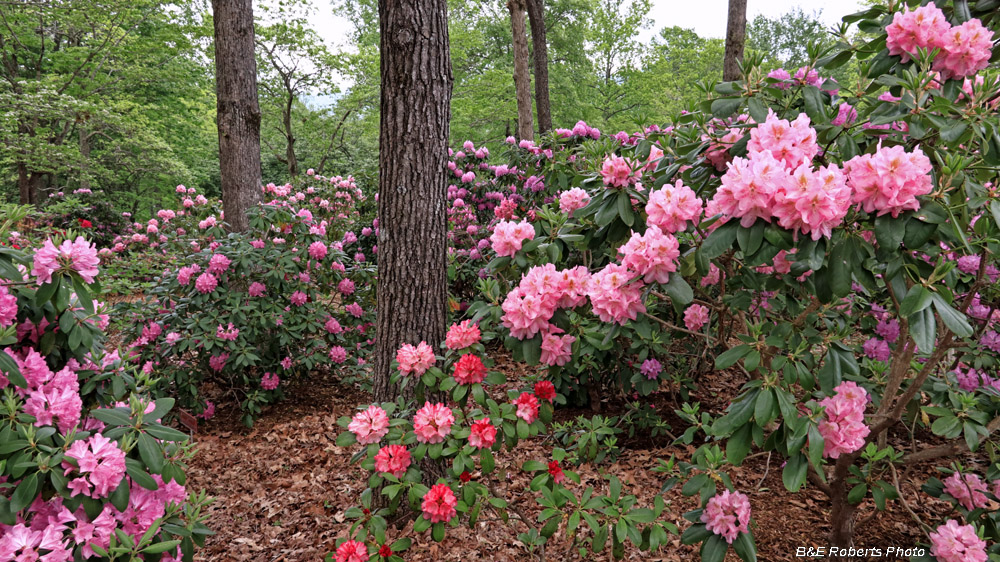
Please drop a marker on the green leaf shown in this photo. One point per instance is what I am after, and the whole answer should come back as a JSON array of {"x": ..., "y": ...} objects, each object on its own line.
[
  {"x": 815, "y": 108},
  {"x": 738, "y": 445},
  {"x": 119, "y": 498},
  {"x": 165, "y": 433},
  {"x": 953, "y": 319},
  {"x": 112, "y": 416},
  {"x": 758, "y": 109},
  {"x": 720, "y": 241},
  {"x": 150, "y": 453},
  {"x": 923, "y": 328},
  {"x": 9, "y": 368},
  {"x": 679, "y": 291},
  {"x": 729, "y": 357},
  {"x": 954, "y": 131},
  {"x": 764, "y": 407},
  {"x": 625, "y": 208},
  {"x": 724, "y": 107},
  {"x": 744, "y": 545},
  {"x": 25, "y": 493},
  {"x": 795, "y": 472},
  {"x": 840, "y": 269},
  {"x": 438, "y": 532},
  {"x": 714, "y": 549},
  {"x": 916, "y": 299},
  {"x": 161, "y": 547},
  {"x": 695, "y": 534}
]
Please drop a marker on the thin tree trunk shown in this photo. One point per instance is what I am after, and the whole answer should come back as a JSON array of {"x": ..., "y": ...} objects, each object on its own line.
[
  {"x": 736, "y": 30},
  {"x": 522, "y": 81},
  {"x": 293, "y": 164},
  {"x": 540, "y": 55},
  {"x": 413, "y": 151},
  {"x": 238, "y": 110},
  {"x": 23, "y": 185}
]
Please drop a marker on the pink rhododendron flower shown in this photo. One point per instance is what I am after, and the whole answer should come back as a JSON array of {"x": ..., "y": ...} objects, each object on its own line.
[
  {"x": 968, "y": 489},
  {"x": 415, "y": 359},
  {"x": 218, "y": 264},
  {"x": 844, "y": 428},
  {"x": 228, "y": 334},
  {"x": 338, "y": 354},
  {"x": 332, "y": 326},
  {"x": 672, "y": 206},
  {"x": 256, "y": 289},
  {"x": 317, "y": 250},
  {"x": 556, "y": 349},
  {"x": 793, "y": 143},
  {"x": 613, "y": 297},
  {"x": 877, "y": 349},
  {"x": 346, "y": 286},
  {"x": 352, "y": 551},
  {"x": 462, "y": 335},
  {"x": 355, "y": 310},
  {"x": 206, "y": 283},
  {"x": 617, "y": 172},
  {"x": 508, "y": 237},
  {"x": 270, "y": 381},
  {"x": 695, "y": 316},
  {"x": 573, "y": 199},
  {"x": 439, "y": 504},
  {"x": 727, "y": 515},
  {"x": 370, "y": 426},
  {"x": 8, "y": 307},
  {"x": 392, "y": 459},
  {"x": 924, "y": 27},
  {"x": 890, "y": 180},
  {"x": 99, "y": 464},
  {"x": 953, "y": 542},
  {"x": 527, "y": 407},
  {"x": 469, "y": 369},
  {"x": 846, "y": 115},
  {"x": 218, "y": 362},
  {"x": 483, "y": 434},
  {"x": 298, "y": 298},
  {"x": 432, "y": 423},
  {"x": 651, "y": 368},
  {"x": 79, "y": 256}
]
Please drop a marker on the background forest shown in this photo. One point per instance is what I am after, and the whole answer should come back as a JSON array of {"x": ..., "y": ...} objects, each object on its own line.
[{"x": 119, "y": 95}]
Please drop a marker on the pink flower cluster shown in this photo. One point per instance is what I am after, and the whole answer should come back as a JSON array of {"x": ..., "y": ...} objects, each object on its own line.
[
  {"x": 392, "y": 459},
  {"x": 529, "y": 307},
  {"x": 953, "y": 542},
  {"x": 99, "y": 465},
  {"x": 727, "y": 515},
  {"x": 672, "y": 206},
  {"x": 556, "y": 350},
  {"x": 527, "y": 407},
  {"x": 270, "y": 381},
  {"x": 432, "y": 423},
  {"x": 8, "y": 307},
  {"x": 469, "y": 369},
  {"x": 508, "y": 236},
  {"x": 844, "y": 428},
  {"x": 965, "y": 49},
  {"x": 79, "y": 256},
  {"x": 890, "y": 180},
  {"x": 652, "y": 255},
  {"x": 462, "y": 335},
  {"x": 618, "y": 171},
  {"x": 573, "y": 199},
  {"x": 483, "y": 434},
  {"x": 695, "y": 317},
  {"x": 370, "y": 426},
  {"x": 968, "y": 489},
  {"x": 415, "y": 359},
  {"x": 612, "y": 294},
  {"x": 793, "y": 143}
]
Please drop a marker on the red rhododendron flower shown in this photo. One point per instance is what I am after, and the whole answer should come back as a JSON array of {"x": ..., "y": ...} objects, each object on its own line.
[
  {"x": 84, "y": 223},
  {"x": 439, "y": 504},
  {"x": 545, "y": 390},
  {"x": 469, "y": 369},
  {"x": 556, "y": 472}
]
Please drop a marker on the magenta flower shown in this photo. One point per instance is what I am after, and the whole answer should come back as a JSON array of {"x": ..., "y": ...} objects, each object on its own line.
[
  {"x": 206, "y": 283},
  {"x": 79, "y": 256}
]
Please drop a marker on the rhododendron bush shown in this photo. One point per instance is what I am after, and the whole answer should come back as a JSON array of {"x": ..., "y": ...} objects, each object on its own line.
[
  {"x": 86, "y": 468},
  {"x": 834, "y": 245},
  {"x": 251, "y": 311}
]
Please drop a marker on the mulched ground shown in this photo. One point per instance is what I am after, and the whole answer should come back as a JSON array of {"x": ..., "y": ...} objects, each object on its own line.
[{"x": 281, "y": 490}]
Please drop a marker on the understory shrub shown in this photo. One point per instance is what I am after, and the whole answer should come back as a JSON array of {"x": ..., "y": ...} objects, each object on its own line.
[{"x": 86, "y": 468}]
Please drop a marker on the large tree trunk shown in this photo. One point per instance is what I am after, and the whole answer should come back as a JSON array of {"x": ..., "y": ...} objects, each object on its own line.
[
  {"x": 522, "y": 82},
  {"x": 237, "y": 108},
  {"x": 540, "y": 55},
  {"x": 736, "y": 31},
  {"x": 412, "y": 188}
]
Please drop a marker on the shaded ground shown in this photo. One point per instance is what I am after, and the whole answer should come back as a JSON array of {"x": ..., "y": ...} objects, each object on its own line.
[{"x": 282, "y": 488}]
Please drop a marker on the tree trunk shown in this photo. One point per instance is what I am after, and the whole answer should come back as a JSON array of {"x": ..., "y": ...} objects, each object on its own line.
[
  {"x": 237, "y": 109},
  {"x": 84, "y": 159},
  {"x": 522, "y": 82},
  {"x": 293, "y": 164},
  {"x": 842, "y": 512},
  {"x": 540, "y": 55},
  {"x": 23, "y": 185},
  {"x": 412, "y": 189},
  {"x": 736, "y": 30}
]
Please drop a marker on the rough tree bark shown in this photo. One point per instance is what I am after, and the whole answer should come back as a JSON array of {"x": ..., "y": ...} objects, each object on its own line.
[
  {"x": 412, "y": 189},
  {"x": 237, "y": 108},
  {"x": 736, "y": 30},
  {"x": 540, "y": 56},
  {"x": 522, "y": 81}
]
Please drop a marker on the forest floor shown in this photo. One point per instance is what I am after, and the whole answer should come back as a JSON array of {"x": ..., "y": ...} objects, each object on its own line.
[{"x": 281, "y": 489}]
